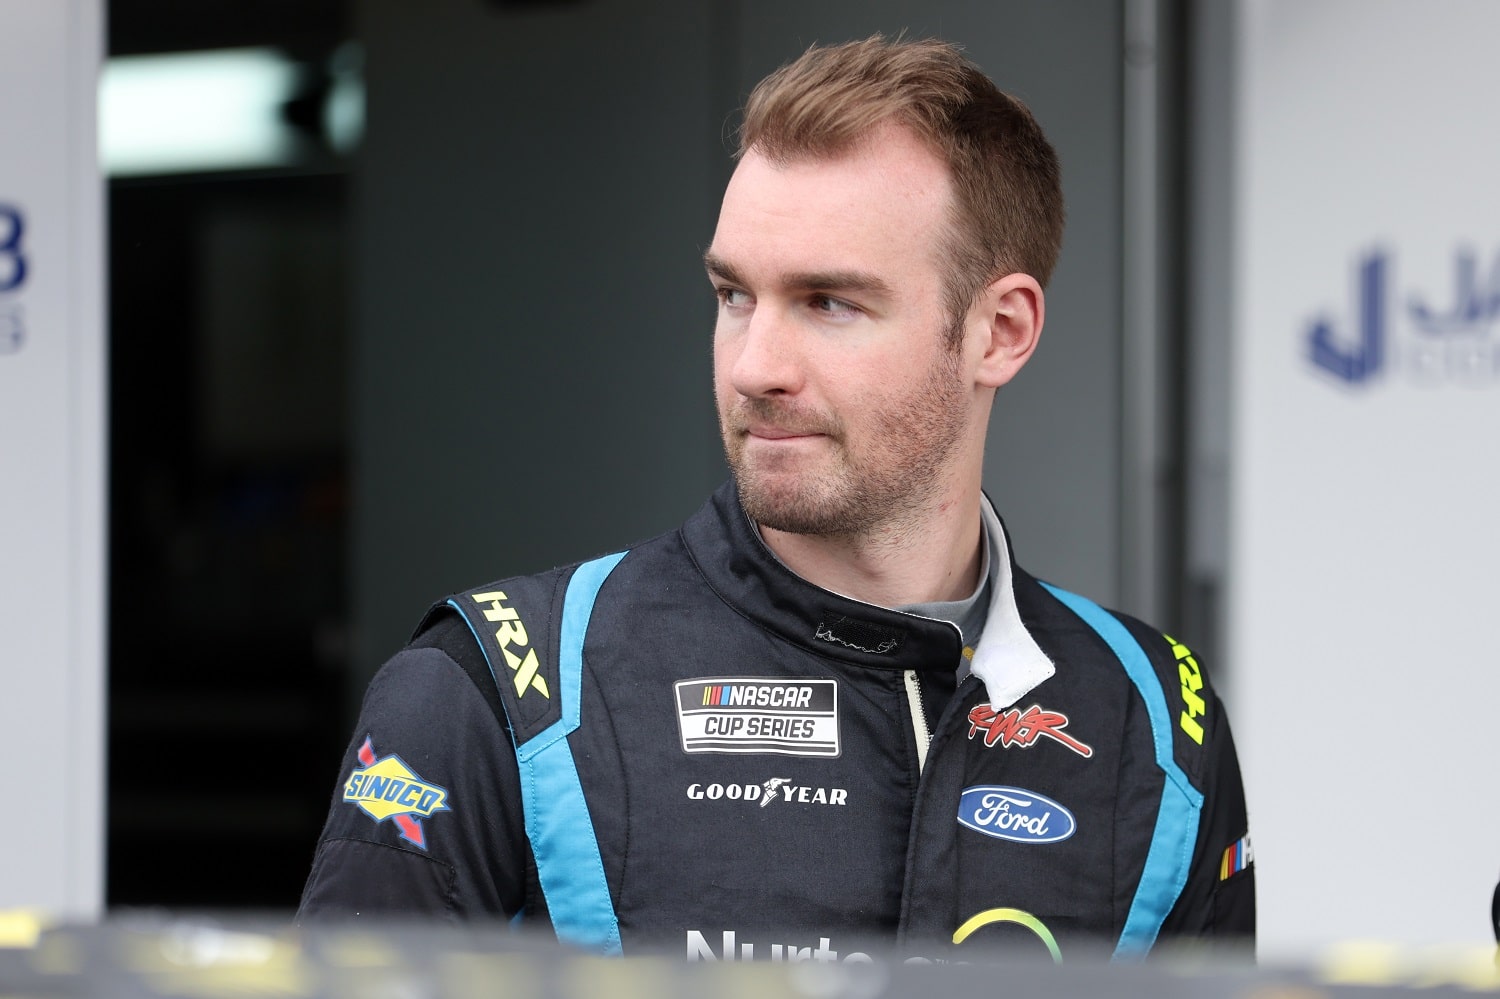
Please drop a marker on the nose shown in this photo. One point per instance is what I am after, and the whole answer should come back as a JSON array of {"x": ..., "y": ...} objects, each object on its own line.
[{"x": 766, "y": 359}]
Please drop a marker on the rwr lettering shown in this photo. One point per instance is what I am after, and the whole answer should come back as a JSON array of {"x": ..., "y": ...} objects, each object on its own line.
[
  {"x": 699, "y": 949},
  {"x": 1016, "y": 728}
]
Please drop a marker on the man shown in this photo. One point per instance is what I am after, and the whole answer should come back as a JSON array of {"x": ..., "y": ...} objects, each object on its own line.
[{"x": 829, "y": 710}]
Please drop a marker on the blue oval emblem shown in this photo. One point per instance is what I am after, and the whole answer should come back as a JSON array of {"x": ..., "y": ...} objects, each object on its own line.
[{"x": 1014, "y": 813}]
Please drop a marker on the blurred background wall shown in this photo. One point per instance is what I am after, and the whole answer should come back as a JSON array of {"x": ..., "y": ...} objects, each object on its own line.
[
  {"x": 445, "y": 321},
  {"x": 475, "y": 341},
  {"x": 1355, "y": 248},
  {"x": 536, "y": 190}
]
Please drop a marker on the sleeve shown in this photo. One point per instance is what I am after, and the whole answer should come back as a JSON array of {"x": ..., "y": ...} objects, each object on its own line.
[
  {"x": 426, "y": 815},
  {"x": 1218, "y": 902}
]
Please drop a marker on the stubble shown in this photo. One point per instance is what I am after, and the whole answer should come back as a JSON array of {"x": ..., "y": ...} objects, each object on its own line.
[{"x": 858, "y": 486}]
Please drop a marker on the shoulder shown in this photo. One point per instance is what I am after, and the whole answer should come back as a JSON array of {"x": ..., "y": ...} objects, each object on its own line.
[
  {"x": 1198, "y": 864},
  {"x": 520, "y": 639},
  {"x": 426, "y": 754},
  {"x": 1169, "y": 678},
  {"x": 420, "y": 697},
  {"x": 537, "y": 599},
  {"x": 425, "y": 814}
]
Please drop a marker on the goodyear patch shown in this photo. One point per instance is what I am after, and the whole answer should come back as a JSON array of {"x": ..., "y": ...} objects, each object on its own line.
[
  {"x": 757, "y": 715},
  {"x": 387, "y": 790}
]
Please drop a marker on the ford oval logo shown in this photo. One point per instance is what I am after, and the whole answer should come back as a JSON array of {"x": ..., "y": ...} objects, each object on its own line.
[{"x": 1014, "y": 813}]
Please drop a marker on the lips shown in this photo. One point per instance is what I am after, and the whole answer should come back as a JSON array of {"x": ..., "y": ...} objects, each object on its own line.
[
  {"x": 772, "y": 422},
  {"x": 779, "y": 433}
]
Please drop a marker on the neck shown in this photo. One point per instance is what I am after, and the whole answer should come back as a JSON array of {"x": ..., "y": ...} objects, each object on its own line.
[{"x": 931, "y": 555}]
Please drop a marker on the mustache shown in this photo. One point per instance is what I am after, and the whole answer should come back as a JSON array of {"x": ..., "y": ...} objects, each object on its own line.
[{"x": 790, "y": 417}]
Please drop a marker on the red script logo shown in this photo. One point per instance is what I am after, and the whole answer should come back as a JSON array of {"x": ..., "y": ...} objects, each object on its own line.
[{"x": 1013, "y": 727}]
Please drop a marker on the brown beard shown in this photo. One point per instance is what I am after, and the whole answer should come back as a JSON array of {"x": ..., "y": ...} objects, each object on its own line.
[{"x": 861, "y": 491}]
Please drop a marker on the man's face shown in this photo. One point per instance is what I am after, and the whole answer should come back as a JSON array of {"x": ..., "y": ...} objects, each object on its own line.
[{"x": 842, "y": 406}]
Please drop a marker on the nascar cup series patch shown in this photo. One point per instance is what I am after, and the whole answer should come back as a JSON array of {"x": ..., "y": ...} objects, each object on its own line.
[
  {"x": 386, "y": 789},
  {"x": 757, "y": 715}
]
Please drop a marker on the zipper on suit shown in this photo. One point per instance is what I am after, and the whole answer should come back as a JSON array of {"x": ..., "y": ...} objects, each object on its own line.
[{"x": 918, "y": 717}]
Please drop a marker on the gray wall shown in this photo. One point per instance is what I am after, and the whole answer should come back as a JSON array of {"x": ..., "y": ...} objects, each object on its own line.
[{"x": 533, "y": 327}]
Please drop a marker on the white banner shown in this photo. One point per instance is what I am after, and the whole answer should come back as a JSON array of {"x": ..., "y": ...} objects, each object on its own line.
[
  {"x": 1364, "y": 557},
  {"x": 52, "y": 385}
]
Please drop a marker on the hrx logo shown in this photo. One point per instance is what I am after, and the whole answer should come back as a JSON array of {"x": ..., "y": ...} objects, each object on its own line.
[
  {"x": 525, "y": 666},
  {"x": 1191, "y": 676}
]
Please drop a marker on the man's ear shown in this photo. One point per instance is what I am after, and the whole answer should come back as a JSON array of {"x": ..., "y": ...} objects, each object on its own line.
[{"x": 1012, "y": 309}]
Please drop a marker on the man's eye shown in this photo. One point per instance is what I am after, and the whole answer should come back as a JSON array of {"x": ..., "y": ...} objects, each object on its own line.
[
  {"x": 733, "y": 298},
  {"x": 833, "y": 306}
]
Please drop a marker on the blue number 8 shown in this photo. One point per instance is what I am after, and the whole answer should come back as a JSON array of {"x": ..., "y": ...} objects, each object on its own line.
[{"x": 12, "y": 262}]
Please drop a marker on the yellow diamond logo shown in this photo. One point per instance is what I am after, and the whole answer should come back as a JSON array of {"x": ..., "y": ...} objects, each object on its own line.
[{"x": 388, "y": 788}]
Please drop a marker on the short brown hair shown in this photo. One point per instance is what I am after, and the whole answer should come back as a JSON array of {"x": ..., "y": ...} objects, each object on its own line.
[{"x": 1008, "y": 205}]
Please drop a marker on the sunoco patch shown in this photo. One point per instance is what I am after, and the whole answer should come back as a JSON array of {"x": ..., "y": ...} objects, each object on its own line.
[
  {"x": 756, "y": 715},
  {"x": 386, "y": 789}
]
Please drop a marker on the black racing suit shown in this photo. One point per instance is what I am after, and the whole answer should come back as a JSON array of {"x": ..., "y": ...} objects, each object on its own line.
[{"x": 703, "y": 752}]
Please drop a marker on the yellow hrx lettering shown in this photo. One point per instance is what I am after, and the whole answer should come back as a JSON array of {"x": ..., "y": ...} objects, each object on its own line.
[
  {"x": 511, "y": 633},
  {"x": 1193, "y": 706},
  {"x": 495, "y": 612},
  {"x": 525, "y": 666},
  {"x": 527, "y": 672}
]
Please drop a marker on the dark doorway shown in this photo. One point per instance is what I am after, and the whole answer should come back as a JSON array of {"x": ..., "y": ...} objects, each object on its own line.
[{"x": 229, "y": 499}]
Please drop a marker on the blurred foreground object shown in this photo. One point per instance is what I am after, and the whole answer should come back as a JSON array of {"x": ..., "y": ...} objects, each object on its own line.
[{"x": 159, "y": 955}]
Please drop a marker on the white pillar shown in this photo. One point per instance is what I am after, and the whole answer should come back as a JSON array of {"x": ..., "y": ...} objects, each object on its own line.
[
  {"x": 1364, "y": 403},
  {"x": 52, "y": 481}
]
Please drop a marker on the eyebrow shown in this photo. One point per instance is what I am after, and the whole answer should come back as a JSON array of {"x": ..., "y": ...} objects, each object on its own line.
[
  {"x": 804, "y": 280},
  {"x": 721, "y": 268}
]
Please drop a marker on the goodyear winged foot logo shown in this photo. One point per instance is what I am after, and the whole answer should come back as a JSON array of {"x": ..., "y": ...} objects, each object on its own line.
[{"x": 388, "y": 789}]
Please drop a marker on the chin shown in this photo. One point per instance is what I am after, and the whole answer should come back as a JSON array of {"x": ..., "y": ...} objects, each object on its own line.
[{"x": 790, "y": 503}]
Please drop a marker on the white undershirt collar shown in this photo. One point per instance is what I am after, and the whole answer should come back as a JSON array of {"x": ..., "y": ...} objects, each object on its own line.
[{"x": 1008, "y": 661}]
